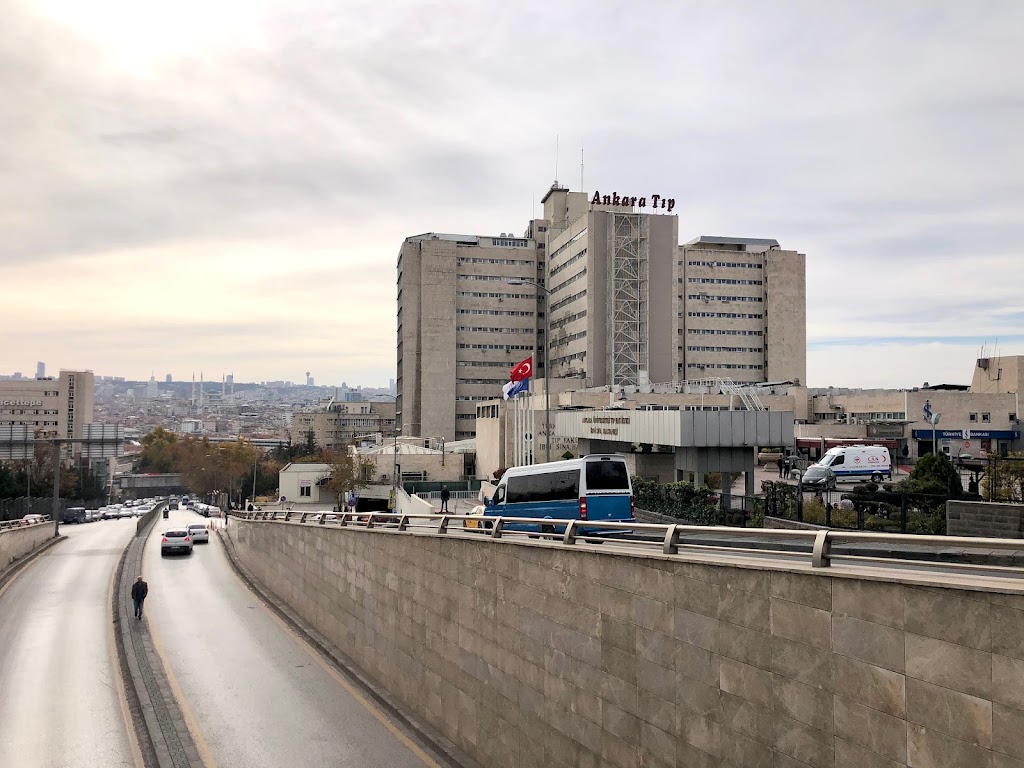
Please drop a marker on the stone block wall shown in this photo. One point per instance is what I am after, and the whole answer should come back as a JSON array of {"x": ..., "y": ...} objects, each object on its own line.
[
  {"x": 15, "y": 543},
  {"x": 529, "y": 655},
  {"x": 985, "y": 518}
]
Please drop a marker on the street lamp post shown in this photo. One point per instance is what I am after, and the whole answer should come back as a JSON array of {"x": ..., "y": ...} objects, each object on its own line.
[{"x": 547, "y": 373}]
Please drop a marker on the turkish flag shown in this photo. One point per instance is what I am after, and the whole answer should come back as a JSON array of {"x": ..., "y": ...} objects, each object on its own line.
[{"x": 523, "y": 370}]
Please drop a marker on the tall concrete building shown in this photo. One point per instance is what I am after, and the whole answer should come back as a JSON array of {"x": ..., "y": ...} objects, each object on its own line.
[
  {"x": 742, "y": 311},
  {"x": 53, "y": 407},
  {"x": 627, "y": 306},
  {"x": 461, "y": 326}
]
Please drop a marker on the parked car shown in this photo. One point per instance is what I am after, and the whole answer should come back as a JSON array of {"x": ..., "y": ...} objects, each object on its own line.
[
  {"x": 176, "y": 540},
  {"x": 818, "y": 478},
  {"x": 33, "y": 519}
]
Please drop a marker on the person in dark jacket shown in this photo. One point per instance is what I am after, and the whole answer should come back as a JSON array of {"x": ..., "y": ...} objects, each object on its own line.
[
  {"x": 445, "y": 495},
  {"x": 139, "y": 591}
]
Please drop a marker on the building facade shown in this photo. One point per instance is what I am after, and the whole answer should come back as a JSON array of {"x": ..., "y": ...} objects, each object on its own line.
[
  {"x": 53, "y": 407},
  {"x": 339, "y": 424},
  {"x": 742, "y": 311},
  {"x": 461, "y": 326},
  {"x": 625, "y": 306}
]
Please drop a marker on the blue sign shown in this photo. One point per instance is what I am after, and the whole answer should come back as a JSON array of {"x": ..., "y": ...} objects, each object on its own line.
[{"x": 970, "y": 434}]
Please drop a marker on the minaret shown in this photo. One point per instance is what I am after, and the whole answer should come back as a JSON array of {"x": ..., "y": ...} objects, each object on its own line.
[
  {"x": 193, "y": 392},
  {"x": 200, "y": 390}
]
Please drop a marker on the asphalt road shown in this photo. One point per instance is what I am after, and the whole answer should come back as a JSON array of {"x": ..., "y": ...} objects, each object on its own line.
[
  {"x": 59, "y": 703},
  {"x": 252, "y": 692}
]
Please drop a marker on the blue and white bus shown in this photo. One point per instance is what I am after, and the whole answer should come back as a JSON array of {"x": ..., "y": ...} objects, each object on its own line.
[{"x": 596, "y": 488}]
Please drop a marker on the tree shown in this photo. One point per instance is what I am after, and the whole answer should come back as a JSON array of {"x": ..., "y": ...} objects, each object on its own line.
[
  {"x": 349, "y": 471},
  {"x": 934, "y": 474},
  {"x": 158, "y": 451},
  {"x": 1005, "y": 478}
]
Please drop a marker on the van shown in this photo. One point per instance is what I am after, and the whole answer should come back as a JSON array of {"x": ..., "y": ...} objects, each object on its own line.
[
  {"x": 596, "y": 487},
  {"x": 858, "y": 461},
  {"x": 75, "y": 515}
]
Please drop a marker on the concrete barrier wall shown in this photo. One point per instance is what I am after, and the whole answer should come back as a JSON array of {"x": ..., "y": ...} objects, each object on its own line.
[
  {"x": 535, "y": 656},
  {"x": 984, "y": 518},
  {"x": 15, "y": 543}
]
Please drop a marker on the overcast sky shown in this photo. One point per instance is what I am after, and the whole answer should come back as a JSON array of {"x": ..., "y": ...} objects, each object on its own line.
[{"x": 223, "y": 185}]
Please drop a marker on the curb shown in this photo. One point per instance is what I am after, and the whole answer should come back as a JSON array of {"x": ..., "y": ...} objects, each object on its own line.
[
  {"x": 446, "y": 752},
  {"x": 163, "y": 736},
  {"x": 22, "y": 562}
]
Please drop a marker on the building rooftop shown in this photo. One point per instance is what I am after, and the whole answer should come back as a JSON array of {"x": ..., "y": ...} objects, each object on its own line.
[{"x": 716, "y": 240}]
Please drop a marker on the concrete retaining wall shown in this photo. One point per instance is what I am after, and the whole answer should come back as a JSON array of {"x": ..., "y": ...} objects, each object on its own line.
[
  {"x": 538, "y": 656},
  {"x": 18, "y": 542},
  {"x": 984, "y": 518}
]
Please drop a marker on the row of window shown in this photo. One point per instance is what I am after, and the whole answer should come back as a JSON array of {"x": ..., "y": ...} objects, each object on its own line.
[
  {"x": 506, "y": 312},
  {"x": 722, "y": 281},
  {"x": 23, "y": 412},
  {"x": 465, "y": 416},
  {"x": 562, "y": 341},
  {"x": 707, "y": 297},
  {"x": 566, "y": 244},
  {"x": 480, "y": 363},
  {"x": 568, "y": 263},
  {"x": 499, "y": 382},
  {"x": 475, "y": 398},
  {"x": 568, "y": 300},
  {"x": 568, "y": 319},
  {"x": 721, "y": 332},
  {"x": 33, "y": 423},
  {"x": 573, "y": 279},
  {"x": 727, "y": 366},
  {"x": 732, "y": 315},
  {"x": 486, "y": 278},
  {"x": 724, "y": 349},
  {"x": 492, "y": 295},
  {"x": 568, "y": 358},
  {"x": 503, "y": 262},
  {"x": 484, "y": 329},
  {"x": 506, "y": 347},
  {"x": 510, "y": 242},
  {"x": 735, "y": 264}
]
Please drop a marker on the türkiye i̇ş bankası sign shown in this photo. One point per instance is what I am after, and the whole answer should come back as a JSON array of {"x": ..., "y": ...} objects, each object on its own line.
[{"x": 657, "y": 201}]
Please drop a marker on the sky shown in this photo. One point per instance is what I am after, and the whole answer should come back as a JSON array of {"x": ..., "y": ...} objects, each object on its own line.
[{"x": 223, "y": 187}]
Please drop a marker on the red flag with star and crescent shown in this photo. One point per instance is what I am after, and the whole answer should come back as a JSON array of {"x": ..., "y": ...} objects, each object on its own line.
[{"x": 523, "y": 370}]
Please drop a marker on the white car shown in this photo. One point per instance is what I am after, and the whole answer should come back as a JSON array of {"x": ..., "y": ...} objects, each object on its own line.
[
  {"x": 176, "y": 540},
  {"x": 199, "y": 533}
]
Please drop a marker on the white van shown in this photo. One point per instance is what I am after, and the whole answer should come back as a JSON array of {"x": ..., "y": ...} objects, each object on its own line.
[{"x": 858, "y": 461}]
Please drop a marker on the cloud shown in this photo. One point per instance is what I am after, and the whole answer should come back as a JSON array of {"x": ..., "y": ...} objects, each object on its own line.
[{"x": 269, "y": 157}]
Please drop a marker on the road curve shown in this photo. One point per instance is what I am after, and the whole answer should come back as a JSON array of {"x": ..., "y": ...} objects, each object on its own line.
[
  {"x": 256, "y": 694},
  {"x": 59, "y": 701}
]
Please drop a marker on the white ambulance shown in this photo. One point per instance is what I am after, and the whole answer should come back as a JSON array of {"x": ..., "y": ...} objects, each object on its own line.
[{"x": 868, "y": 462}]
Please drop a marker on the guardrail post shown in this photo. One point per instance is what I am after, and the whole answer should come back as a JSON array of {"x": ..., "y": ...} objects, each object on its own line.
[
  {"x": 671, "y": 544},
  {"x": 302, "y": 517},
  {"x": 496, "y": 529},
  {"x": 369, "y": 520},
  {"x": 403, "y": 522},
  {"x": 323, "y": 519},
  {"x": 822, "y": 550},
  {"x": 443, "y": 527},
  {"x": 569, "y": 538},
  {"x": 287, "y": 515},
  {"x": 343, "y": 519}
]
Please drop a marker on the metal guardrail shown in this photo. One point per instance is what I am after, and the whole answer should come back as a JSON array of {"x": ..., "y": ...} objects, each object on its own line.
[
  {"x": 818, "y": 548},
  {"x": 6, "y": 525}
]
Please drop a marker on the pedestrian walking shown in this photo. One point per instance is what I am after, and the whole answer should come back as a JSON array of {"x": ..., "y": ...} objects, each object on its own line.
[
  {"x": 139, "y": 591},
  {"x": 445, "y": 495},
  {"x": 783, "y": 461}
]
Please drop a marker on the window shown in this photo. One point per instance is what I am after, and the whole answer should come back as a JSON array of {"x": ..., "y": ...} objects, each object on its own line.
[
  {"x": 1013, "y": 417},
  {"x": 549, "y": 486},
  {"x": 607, "y": 476},
  {"x": 973, "y": 418},
  {"x": 986, "y": 418},
  {"x": 306, "y": 490}
]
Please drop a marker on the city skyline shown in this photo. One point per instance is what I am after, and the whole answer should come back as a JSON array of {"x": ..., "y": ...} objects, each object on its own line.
[{"x": 227, "y": 188}]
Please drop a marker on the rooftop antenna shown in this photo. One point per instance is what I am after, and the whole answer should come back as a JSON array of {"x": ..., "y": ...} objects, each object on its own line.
[
  {"x": 582, "y": 188},
  {"x": 556, "y": 159}
]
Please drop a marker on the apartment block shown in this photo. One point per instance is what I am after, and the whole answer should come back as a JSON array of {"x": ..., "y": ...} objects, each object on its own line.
[
  {"x": 337, "y": 425},
  {"x": 55, "y": 407}
]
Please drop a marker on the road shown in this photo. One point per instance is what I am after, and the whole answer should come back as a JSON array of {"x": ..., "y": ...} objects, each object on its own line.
[
  {"x": 252, "y": 692},
  {"x": 59, "y": 700}
]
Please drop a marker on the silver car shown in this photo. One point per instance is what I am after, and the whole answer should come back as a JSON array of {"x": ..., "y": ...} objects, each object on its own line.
[
  {"x": 176, "y": 540},
  {"x": 199, "y": 533}
]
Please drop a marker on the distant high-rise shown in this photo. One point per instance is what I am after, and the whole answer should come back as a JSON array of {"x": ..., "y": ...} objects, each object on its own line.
[
  {"x": 391, "y": 386},
  {"x": 168, "y": 379},
  {"x": 309, "y": 380},
  {"x": 152, "y": 389},
  {"x": 40, "y": 370}
]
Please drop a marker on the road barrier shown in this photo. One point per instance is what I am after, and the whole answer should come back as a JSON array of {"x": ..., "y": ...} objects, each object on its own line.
[{"x": 816, "y": 548}]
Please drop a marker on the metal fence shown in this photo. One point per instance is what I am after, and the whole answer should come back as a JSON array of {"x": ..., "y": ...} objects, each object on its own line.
[
  {"x": 994, "y": 478},
  {"x": 819, "y": 549},
  {"x": 862, "y": 510}
]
